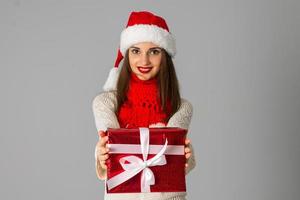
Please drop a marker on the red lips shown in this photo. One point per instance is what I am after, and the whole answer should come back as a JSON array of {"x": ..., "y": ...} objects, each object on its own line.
[{"x": 144, "y": 70}]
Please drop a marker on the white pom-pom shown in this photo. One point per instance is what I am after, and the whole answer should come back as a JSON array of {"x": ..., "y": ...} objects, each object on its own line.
[{"x": 112, "y": 80}]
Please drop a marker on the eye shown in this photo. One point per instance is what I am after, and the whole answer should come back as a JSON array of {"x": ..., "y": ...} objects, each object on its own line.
[
  {"x": 155, "y": 52},
  {"x": 135, "y": 51}
]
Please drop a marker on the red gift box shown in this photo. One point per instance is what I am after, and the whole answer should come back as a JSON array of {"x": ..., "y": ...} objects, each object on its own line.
[{"x": 146, "y": 160}]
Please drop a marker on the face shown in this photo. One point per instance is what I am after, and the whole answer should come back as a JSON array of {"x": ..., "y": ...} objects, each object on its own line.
[{"x": 145, "y": 60}]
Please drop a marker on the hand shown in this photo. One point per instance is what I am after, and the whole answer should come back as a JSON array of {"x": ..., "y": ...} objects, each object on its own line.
[
  {"x": 102, "y": 149},
  {"x": 187, "y": 151}
]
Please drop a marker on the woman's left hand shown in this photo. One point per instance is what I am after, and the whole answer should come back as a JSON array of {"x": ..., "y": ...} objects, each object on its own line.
[{"x": 187, "y": 151}]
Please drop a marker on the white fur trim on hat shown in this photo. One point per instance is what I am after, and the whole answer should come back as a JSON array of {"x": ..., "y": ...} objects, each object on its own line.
[
  {"x": 112, "y": 80},
  {"x": 147, "y": 33}
]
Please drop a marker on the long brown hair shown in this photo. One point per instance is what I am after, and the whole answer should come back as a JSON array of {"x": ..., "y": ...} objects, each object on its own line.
[{"x": 167, "y": 82}]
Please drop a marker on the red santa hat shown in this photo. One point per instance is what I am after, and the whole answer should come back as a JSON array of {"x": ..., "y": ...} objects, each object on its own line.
[{"x": 141, "y": 27}]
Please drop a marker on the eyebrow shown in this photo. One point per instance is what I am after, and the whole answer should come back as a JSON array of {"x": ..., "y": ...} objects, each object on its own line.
[{"x": 149, "y": 48}]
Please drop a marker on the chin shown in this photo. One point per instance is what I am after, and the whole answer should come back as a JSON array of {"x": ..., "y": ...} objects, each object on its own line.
[{"x": 143, "y": 77}]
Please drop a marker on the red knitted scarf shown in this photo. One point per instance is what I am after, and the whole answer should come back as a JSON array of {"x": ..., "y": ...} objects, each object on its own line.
[{"x": 142, "y": 107}]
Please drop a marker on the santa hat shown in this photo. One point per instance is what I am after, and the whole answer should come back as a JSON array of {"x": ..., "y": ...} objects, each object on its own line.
[{"x": 141, "y": 27}]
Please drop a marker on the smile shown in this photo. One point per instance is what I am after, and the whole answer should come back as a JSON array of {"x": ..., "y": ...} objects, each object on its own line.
[{"x": 144, "y": 69}]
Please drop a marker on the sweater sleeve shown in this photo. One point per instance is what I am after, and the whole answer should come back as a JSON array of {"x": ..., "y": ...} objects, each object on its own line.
[
  {"x": 104, "y": 107},
  {"x": 182, "y": 119}
]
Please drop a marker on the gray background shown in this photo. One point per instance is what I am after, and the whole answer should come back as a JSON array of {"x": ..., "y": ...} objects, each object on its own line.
[{"x": 238, "y": 63}]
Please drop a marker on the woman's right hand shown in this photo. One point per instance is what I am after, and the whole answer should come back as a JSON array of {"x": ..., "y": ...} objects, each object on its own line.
[{"x": 102, "y": 149}]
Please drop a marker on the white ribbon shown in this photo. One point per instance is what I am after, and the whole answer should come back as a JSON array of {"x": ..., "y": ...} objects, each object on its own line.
[
  {"x": 153, "y": 149},
  {"x": 137, "y": 165}
]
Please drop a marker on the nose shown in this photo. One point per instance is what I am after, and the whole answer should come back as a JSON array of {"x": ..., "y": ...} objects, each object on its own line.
[{"x": 145, "y": 59}]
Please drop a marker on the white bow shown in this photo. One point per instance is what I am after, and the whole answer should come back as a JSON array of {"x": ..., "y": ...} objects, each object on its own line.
[{"x": 137, "y": 165}]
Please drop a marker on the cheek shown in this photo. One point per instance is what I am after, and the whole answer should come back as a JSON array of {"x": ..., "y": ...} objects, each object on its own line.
[
  {"x": 156, "y": 70},
  {"x": 133, "y": 62},
  {"x": 156, "y": 61}
]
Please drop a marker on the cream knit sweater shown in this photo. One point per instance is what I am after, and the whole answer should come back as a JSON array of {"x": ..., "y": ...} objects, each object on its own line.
[{"x": 104, "y": 107}]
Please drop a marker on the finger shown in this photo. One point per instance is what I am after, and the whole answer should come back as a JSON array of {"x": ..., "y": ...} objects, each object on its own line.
[
  {"x": 187, "y": 150},
  {"x": 98, "y": 145},
  {"x": 103, "y": 141},
  {"x": 101, "y": 151},
  {"x": 104, "y": 157},
  {"x": 103, "y": 164},
  {"x": 101, "y": 133},
  {"x": 187, "y": 155},
  {"x": 104, "y": 150},
  {"x": 187, "y": 141},
  {"x": 186, "y": 165},
  {"x": 99, "y": 154}
]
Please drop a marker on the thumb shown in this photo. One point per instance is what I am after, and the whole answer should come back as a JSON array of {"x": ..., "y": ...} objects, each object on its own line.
[{"x": 101, "y": 133}]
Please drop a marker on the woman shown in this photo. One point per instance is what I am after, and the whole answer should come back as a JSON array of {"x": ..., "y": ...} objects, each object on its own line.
[{"x": 144, "y": 93}]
